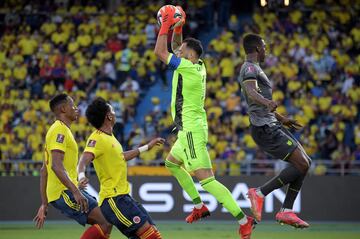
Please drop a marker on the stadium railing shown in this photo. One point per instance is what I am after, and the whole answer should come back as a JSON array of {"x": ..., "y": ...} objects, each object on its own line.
[{"x": 222, "y": 167}]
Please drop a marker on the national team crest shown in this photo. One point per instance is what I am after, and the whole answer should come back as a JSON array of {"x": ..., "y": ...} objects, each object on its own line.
[
  {"x": 250, "y": 69},
  {"x": 92, "y": 143},
  {"x": 137, "y": 219},
  {"x": 60, "y": 138}
]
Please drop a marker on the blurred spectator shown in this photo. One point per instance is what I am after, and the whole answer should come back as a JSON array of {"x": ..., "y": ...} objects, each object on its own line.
[
  {"x": 109, "y": 71},
  {"x": 123, "y": 61},
  {"x": 328, "y": 144},
  {"x": 150, "y": 31},
  {"x": 130, "y": 85},
  {"x": 119, "y": 125}
]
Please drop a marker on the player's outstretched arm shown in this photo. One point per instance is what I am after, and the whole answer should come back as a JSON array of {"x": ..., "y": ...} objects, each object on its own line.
[
  {"x": 42, "y": 211},
  {"x": 177, "y": 36},
  {"x": 251, "y": 90},
  {"x": 128, "y": 155},
  {"x": 59, "y": 170},
  {"x": 43, "y": 183},
  {"x": 85, "y": 160},
  {"x": 161, "y": 50}
]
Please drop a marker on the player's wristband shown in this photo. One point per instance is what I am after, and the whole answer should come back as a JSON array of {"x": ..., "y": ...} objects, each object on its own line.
[
  {"x": 143, "y": 148},
  {"x": 81, "y": 176}
]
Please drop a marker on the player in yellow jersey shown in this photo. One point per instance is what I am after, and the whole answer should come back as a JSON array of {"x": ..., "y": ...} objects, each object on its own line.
[
  {"x": 109, "y": 160},
  {"x": 58, "y": 181}
]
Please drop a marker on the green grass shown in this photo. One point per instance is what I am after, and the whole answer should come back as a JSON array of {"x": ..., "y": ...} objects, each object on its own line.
[{"x": 180, "y": 230}]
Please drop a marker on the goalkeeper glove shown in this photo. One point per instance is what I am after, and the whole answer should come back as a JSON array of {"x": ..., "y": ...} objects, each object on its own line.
[
  {"x": 167, "y": 19},
  {"x": 178, "y": 29}
]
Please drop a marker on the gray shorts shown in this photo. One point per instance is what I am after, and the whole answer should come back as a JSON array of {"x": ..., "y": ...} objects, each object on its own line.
[{"x": 274, "y": 139}]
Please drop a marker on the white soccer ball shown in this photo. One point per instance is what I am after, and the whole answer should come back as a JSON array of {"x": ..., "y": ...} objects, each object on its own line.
[{"x": 177, "y": 14}]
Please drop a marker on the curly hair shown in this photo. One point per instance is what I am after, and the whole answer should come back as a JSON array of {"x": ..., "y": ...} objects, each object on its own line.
[{"x": 96, "y": 112}]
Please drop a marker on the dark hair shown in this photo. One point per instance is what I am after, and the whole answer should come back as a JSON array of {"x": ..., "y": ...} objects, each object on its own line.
[
  {"x": 96, "y": 112},
  {"x": 251, "y": 41},
  {"x": 195, "y": 45},
  {"x": 57, "y": 100}
]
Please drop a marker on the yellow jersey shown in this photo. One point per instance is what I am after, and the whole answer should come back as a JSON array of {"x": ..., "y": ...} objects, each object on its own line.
[
  {"x": 60, "y": 138},
  {"x": 109, "y": 163}
]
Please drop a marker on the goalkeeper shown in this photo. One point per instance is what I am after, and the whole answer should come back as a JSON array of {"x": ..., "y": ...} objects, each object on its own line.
[{"x": 189, "y": 153}]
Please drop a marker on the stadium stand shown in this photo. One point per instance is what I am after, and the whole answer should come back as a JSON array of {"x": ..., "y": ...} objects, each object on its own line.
[{"x": 313, "y": 60}]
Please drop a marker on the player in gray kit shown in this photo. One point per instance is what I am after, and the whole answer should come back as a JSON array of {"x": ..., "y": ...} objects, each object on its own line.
[{"x": 268, "y": 131}]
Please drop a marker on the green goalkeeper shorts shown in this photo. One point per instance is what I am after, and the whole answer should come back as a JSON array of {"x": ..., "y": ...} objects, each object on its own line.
[{"x": 190, "y": 149}]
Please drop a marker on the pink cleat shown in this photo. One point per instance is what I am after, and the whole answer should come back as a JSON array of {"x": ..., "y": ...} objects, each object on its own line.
[
  {"x": 246, "y": 229},
  {"x": 256, "y": 203},
  {"x": 290, "y": 218}
]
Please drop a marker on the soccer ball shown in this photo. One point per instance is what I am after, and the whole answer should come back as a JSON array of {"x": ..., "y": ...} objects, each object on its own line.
[{"x": 177, "y": 14}]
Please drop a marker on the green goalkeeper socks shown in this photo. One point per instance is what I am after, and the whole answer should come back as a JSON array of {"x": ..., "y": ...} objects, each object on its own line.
[
  {"x": 223, "y": 195},
  {"x": 211, "y": 185},
  {"x": 185, "y": 180}
]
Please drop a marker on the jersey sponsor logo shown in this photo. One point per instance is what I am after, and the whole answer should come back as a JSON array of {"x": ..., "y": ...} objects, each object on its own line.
[
  {"x": 60, "y": 138},
  {"x": 91, "y": 143},
  {"x": 137, "y": 219}
]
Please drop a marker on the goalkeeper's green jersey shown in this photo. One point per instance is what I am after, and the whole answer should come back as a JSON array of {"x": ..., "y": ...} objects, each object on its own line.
[{"x": 188, "y": 94}]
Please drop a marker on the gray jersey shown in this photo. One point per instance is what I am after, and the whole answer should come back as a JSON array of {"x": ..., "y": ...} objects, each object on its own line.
[{"x": 259, "y": 114}]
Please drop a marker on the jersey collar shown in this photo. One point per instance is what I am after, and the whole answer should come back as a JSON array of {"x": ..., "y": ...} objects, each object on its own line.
[
  {"x": 62, "y": 122},
  {"x": 254, "y": 62},
  {"x": 104, "y": 132}
]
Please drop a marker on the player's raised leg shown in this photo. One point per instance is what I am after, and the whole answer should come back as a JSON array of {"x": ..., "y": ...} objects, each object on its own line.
[
  {"x": 286, "y": 214},
  {"x": 256, "y": 196},
  {"x": 186, "y": 182},
  {"x": 199, "y": 163},
  {"x": 293, "y": 175},
  {"x": 223, "y": 195}
]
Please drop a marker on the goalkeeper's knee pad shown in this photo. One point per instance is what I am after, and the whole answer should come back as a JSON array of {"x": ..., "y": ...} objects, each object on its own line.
[{"x": 151, "y": 233}]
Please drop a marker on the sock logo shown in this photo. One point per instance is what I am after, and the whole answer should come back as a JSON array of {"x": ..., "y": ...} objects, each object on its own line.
[{"x": 136, "y": 219}]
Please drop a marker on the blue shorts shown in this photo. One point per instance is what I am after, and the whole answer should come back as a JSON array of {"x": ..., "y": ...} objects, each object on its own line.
[
  {"x": 68, "y": 206},
  {"x": 126, "y": 214}
]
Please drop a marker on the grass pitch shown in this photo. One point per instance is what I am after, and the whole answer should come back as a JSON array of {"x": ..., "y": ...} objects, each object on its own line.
[{"x": 181, "y": 230}]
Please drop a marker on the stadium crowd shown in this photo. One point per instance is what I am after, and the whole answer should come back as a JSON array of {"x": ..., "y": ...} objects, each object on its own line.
[{"x": 313, "y": 60}]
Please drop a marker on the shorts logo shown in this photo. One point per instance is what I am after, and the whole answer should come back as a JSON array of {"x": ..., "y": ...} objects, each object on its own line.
[
  {"x": 136, "y": 219},
  {"x": 92, "y": 143},
  {"x": 289, "y": 142},
  {"x": 60, "y": 138}
]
